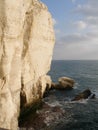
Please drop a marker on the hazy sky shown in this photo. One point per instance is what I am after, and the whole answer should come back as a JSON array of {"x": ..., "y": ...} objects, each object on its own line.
[{"x": 76, "y": 28}]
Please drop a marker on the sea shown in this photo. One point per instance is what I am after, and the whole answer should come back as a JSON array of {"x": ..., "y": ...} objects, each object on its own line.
[{"x": 83, "y": 114}]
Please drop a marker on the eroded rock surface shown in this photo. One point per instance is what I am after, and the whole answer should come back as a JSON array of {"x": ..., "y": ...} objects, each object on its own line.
[
  {"x": 64, "y": 83},
  {"x": 26, "y": 46},
  {"x": 47, "y": 116},
  {"x": 84, "y": 95}
]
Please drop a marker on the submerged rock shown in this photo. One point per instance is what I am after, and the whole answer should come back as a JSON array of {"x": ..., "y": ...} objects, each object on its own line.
[{"x": 84, "y": 95}]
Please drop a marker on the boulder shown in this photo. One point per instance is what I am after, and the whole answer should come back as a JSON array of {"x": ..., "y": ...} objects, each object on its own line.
[
  {"x": 63, "y": 83},
  {"x": 84, "y": 95}
]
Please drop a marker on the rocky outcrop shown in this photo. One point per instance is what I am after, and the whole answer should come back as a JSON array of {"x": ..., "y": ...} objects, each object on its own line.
[
  {"x": 84, "y": 95},
  {"x": 44, "y": 118},
  {"x": 64, "y": 83},
  {"x": 26, "y": 45}
]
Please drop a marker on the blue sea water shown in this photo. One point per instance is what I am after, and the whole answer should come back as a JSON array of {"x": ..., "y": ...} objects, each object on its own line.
[
  {"x": 85, "y": 73},
  {"x": 62, "y": 113},
  {"x": 82, "y": 115}
]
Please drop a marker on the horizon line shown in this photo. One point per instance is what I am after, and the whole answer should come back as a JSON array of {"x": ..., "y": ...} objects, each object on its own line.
[{"x": 75, "y": 59}]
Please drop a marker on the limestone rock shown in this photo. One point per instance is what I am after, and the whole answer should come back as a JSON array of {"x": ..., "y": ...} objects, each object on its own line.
[
  {"x": 66, "y": 82},
  {"x": 63, "y": 83},
  {"x": 26, "y": 46}
]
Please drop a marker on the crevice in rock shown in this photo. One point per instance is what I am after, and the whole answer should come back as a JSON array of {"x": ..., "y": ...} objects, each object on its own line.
[{"x": 23, "y": 99}]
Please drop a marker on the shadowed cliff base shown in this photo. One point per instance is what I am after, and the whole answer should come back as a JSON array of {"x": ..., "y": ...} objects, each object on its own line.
[
  {"x": 57, "y": 114},
  {"x": 45, "y": 116},
  {"x": 41, "y": 118}
]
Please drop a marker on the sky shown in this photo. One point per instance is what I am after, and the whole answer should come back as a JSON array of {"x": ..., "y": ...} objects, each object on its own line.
[{"x": 76, "y": 29}]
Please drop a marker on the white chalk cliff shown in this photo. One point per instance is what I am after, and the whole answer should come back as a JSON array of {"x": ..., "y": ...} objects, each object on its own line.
[{"x": 26, "y": 47}]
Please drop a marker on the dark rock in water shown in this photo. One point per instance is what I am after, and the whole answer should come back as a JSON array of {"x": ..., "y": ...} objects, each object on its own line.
[
  {"x": 46, "y": 94},
  {"x": 65, "y": 83},
  {"x": 92, "y": 96},
  {"x": 53, "y": 85},
  {"x": 84, "y": 95},
  {"x": 44, "y": 117}
]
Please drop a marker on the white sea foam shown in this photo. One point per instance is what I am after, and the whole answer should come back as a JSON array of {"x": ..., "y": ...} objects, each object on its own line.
[
  {"x": 76, "y": 85},
  {"x": 84, "y": 101},
  {"x": 53, "y": 104}
]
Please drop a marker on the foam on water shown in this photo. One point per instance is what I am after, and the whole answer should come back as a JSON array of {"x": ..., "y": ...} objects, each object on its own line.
[
  {"x": 82, "y": 114},
  {"x": 53, "y": 104},
  {"x": 83, "y": 101}
]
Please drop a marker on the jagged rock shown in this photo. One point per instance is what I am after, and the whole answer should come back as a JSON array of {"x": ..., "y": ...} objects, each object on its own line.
[
  {"x": 64, "y": 83},
  {"x": 26, "y": 46},
  {"x": 84, "y": 95},
  {"x": 53, "y": 85},
  {"x": 47, "y": 115}
]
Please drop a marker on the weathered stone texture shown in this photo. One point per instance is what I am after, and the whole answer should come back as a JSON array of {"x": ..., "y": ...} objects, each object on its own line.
[{"x": 26, "y": 46}]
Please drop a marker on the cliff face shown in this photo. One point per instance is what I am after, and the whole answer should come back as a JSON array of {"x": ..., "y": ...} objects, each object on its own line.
[{"x": 26, "y": 46}]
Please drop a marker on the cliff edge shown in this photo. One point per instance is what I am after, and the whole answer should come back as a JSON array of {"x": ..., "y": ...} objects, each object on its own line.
[{"x": 26, "y": 47}]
